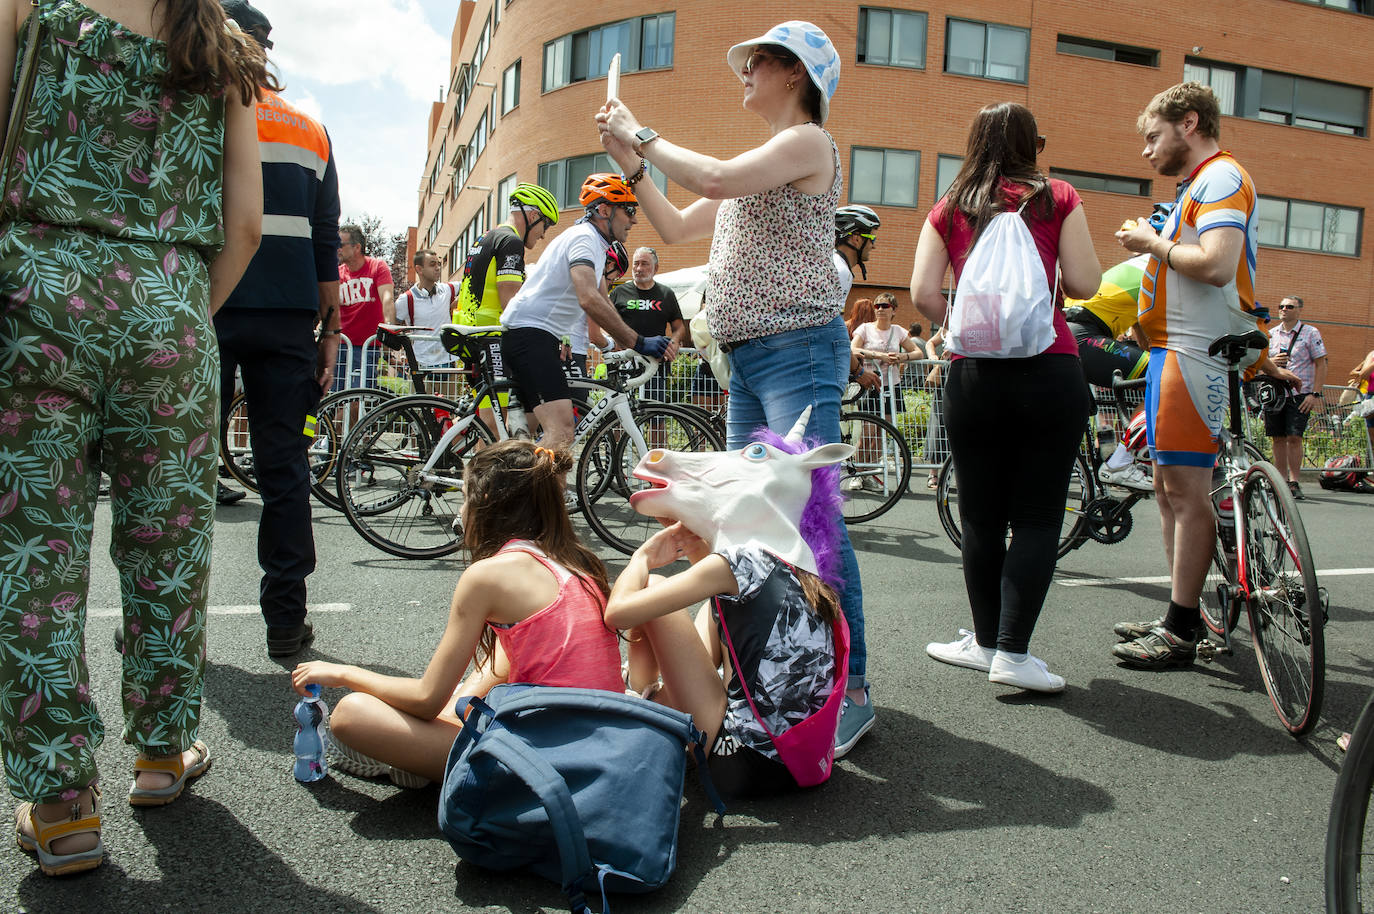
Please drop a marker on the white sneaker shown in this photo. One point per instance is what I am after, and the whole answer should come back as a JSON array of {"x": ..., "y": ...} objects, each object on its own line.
[
  {"x": 1030, "y": 673},
  {"x": 964, "y": 652},
  {"x": 853, "y": 484},
  {"x": 1131, "y": 476}
]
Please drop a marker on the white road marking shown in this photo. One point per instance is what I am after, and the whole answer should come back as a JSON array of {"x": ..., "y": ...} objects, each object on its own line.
[
  {"x": 1164, "y": 579},
  {"x": 106, "y": 612}
]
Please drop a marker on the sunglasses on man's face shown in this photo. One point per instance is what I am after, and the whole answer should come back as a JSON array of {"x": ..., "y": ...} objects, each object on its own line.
[
  {"x": 884, "y": 306},
  {"x": 629, "y": 208},
  {"x": 1288, "y": 307}
]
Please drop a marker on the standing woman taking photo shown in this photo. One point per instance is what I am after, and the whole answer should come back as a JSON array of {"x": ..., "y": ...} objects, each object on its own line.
[
  {"x": 1040, "y": 402},
  {"x": 773, "y": 296},
  {"x": 132, "y": 202}
]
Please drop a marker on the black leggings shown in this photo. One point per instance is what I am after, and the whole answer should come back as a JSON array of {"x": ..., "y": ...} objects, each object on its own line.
[{"x": 1013, "y": 426}]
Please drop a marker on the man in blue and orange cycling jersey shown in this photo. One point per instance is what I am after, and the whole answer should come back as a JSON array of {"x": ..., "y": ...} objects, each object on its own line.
[
  {"x": 266, "y": 329},
  {"x": 1199, "y": 284}
]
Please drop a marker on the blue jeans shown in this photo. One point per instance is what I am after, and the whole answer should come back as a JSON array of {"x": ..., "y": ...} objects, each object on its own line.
[{"x": 773, "y": 378}]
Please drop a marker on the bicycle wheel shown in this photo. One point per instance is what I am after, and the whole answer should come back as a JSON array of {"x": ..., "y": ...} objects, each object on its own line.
[
  {"x": 605, "y": 469},
  {"x": 1220, "y": 604},
  {"x": 947, "y": 503},
  {"x": 1349, "y": 830},
  {"x": 879, "y": 472},
  {"x": 336, "y": 416},
  {"x": 235, "y": 444},
  {"x": 1286, "y": 613},
  {"x": 1080, "y": 492},
  {"x": 386, "y": 496}
]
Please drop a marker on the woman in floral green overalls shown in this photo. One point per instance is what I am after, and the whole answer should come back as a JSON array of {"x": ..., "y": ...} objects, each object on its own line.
[{"x": 133, "y": 205}]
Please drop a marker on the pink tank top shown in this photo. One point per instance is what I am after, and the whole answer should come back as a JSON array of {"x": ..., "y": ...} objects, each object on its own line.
[{"x": 567, "y": 642}]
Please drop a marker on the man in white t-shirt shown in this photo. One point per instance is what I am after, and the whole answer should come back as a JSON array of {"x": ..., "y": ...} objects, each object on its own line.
[
  {"x": 428, "y": 303},
  {"x": 566, "y": 290}
]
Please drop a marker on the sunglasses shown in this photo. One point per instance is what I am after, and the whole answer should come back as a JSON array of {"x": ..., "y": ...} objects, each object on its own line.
[
  {"x": 883, "y": 306},
  {"x": 1039, "y": 144},
  {"x": 1288, "y": 307},
  {"x": 629, "y": 208},
  {"x": 755, "y": 59}
]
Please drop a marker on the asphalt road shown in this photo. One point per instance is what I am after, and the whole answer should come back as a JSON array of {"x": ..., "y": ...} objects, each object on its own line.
[{"x": 1130, "y": 792}]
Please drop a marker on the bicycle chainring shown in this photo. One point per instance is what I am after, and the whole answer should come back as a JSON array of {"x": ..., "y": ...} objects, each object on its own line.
[{"x": 1108, "y": 520}]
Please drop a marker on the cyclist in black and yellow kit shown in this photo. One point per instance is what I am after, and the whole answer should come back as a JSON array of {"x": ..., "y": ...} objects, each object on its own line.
[{"x": 495, "y": 268}]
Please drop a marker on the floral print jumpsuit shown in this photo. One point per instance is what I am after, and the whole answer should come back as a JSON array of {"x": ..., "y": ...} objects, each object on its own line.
[{"x": 107, "y": 361}]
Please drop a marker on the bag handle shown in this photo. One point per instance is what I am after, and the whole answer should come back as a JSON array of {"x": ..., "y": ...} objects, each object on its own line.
[{"x": 548, "y": 785}]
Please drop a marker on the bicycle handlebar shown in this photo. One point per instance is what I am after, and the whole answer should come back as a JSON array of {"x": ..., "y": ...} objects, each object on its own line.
[
  {"x": 1120, "y": 383},
  {"x": 629, "y": 355}
]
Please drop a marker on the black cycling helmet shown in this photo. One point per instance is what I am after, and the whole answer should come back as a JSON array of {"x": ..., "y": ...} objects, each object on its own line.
[{"x": 855, "y": 220}]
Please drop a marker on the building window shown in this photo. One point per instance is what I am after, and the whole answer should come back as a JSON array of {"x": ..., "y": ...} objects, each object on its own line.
[
  {"x": 503, "y": 192},
  {"x": 987, "y": 50},
  {"x": 1111, "y": 184},
  {"x": 1303, "y": 102},
  {"x": 946, "y": 170},
  {"x": 892, "y": 38},
  {"x": 1353, "y": 6},
  {"x": 563, "y": 178},
  {"x": 644, "y": 43},
  {"x": 1283, "y": 98},
  {"x": 1225, "y": 81},
  {"x": 510, "y": 87},
  {"x": 1107, "y": 50},
  {"x": 883, "y": 176},
  {"x": 1307, "y": 226}
]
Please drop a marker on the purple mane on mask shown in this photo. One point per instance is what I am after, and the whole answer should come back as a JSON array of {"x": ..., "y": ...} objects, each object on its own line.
[{"x": 822, "y": 516}]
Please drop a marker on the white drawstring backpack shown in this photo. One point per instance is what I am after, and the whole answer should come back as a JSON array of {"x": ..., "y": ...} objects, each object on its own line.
[{"x": 1003, "y": 308}]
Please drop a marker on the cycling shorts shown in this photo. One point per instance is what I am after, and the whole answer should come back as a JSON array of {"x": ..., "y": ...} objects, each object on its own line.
[
  {"x": 532, "y": 361},
  {"x": 1102, "y": 355},
  {"x": 1185, "y": 407}
]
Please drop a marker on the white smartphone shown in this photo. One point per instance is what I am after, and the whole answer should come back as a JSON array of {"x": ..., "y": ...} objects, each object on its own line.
[{"x": 613, "y": 78}]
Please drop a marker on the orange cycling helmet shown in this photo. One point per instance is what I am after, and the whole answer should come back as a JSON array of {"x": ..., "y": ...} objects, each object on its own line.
[{"x": 604, "y": 187}]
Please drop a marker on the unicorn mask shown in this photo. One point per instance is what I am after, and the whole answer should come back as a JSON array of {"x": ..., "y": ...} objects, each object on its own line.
[{"x": 766, "y": 494}]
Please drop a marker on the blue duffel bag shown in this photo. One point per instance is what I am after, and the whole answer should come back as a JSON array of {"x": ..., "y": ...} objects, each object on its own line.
[{"x": 581, "y": 786}]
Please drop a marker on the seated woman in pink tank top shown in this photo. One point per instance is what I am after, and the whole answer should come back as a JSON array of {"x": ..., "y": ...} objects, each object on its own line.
[{"x": 528, "y": 609}]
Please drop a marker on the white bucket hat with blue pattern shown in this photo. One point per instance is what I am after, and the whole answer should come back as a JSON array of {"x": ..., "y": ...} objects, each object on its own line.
[{"x": 812, "y": 47}]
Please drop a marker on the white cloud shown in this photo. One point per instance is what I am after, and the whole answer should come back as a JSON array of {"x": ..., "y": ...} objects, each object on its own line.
[
  {"x": 384, "y": 44},
  {"x": 369, "y": 75}
]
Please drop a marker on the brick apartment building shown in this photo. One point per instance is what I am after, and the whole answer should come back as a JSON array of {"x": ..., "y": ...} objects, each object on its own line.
[{"x": 526, "y": 77}]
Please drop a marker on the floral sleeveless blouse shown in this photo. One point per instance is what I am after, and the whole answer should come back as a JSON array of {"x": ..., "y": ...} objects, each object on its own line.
[
  {"x": 771, "y": 268},
  {"x": 103, "y": 147}
]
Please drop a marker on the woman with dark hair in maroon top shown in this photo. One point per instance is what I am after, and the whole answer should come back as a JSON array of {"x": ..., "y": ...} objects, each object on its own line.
[{"x": 1036, "y": 406}]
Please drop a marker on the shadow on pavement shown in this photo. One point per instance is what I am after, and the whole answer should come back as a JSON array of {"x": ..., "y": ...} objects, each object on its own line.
[
  {"x": 1210, "y": 729},
  {"x": 256, "y": 706},
  {"x": 237, "y": 873}
]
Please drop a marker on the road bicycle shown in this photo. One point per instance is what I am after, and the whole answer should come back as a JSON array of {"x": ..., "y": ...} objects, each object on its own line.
[
  {"x": 1349, "y": 829},
  {"x": 333, "y": 419},
  {"x": 400, "y": 469},
  {"x": 1262, "y": 561},
  {"x": 874, "y": 479}
]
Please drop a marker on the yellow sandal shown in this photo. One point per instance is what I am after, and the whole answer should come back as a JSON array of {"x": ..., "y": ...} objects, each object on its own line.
[
  {"x": 181, "y": 774},
  {"x": 45, "y": 833}
]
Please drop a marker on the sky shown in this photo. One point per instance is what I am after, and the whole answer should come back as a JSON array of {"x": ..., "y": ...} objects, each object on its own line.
[{"x": 369, "y": 72}]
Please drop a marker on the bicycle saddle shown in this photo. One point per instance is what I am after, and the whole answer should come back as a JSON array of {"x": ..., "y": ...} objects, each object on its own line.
[{"x": 1234, "y": 346}]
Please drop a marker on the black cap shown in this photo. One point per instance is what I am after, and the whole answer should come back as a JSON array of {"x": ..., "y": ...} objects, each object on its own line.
[{"x": 250, "y": 19}]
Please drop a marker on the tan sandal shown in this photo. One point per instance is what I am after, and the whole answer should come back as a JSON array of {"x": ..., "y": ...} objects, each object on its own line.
[
  {"x": 45, "y": 833},
  {"x": 181, "y": 774}
]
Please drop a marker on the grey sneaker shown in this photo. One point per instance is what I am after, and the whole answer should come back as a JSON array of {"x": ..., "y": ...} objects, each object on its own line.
[
  {"x": 855, "y": 721},
  {"x": 350, "y": 761},
  {"x": 1129, "y": 631},
  {"x": 1158, "y": 649}
]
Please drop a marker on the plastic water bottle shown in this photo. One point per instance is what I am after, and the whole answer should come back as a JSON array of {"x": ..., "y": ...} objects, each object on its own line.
[
  {"x": 312, "y": 717},
  {"x": 1226, "y": 511},
  {"x": 517, "y": 426},
  {"x": 1106, "y": 441}
]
